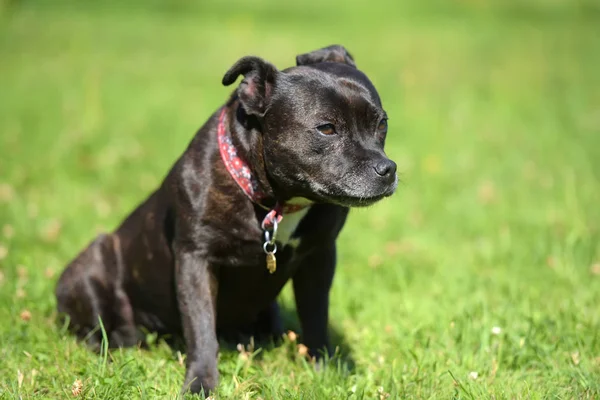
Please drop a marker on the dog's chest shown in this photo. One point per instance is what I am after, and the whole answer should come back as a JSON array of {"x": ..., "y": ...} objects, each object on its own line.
[{"x": 288, "y": 226}]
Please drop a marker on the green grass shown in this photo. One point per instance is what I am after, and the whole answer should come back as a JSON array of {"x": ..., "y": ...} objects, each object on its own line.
[{"x": 494, "y": 121}]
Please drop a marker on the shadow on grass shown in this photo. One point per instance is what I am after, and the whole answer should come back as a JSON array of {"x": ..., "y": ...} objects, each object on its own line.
[
  {"x": 289, "y": 319},
  {"x": 339, "y": 344}
]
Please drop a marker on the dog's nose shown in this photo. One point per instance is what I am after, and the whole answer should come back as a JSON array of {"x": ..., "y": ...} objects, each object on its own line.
[{"x": 385, "y": 168}]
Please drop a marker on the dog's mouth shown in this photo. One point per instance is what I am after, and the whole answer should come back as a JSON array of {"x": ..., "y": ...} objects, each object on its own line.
[{"x": 349, "y": 199}]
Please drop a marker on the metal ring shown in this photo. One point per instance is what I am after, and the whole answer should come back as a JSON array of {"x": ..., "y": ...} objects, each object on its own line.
[
  {"x": 264, "y": 228},
  {"x": 274, "y": 228},
  {"x": 272, "y": 251}
]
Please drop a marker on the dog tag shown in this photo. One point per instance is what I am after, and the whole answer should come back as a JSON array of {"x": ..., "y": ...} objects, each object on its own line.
[{"x": 271, "y": 262}]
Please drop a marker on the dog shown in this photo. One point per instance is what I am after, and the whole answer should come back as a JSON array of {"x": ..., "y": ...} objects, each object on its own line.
[{"x": 257, "y": 198}]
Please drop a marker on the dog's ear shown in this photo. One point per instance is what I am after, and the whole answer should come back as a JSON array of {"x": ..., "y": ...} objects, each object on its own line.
[
  {"x": 257, "y": 86},
  {"x": 334, "y": 53}
]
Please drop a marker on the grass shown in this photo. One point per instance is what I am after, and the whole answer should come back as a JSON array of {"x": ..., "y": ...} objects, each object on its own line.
[{"x": 486, "y": 263}]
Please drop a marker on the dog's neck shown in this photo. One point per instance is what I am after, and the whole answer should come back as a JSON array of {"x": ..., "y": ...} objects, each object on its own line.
[
  {"x": 241, "y": 148},
  {"x": 243, "y": 132}
]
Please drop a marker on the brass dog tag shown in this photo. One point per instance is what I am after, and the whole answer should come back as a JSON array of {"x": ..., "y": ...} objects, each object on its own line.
[{"x": 271, "y": 263}]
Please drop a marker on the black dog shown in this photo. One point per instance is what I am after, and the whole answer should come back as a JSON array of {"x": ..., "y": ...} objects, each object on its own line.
[{"x": 258, "y": 197}]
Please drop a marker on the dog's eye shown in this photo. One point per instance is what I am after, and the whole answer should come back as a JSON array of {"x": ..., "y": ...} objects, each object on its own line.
[
  {"x": 383, "y": 126},
  {"x": 326, "y": 129}
]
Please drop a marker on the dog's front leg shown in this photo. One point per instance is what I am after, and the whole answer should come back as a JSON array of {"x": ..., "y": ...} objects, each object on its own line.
[
  {"x": 197, "y": 295},
  {"x": 312, "y": 282}
]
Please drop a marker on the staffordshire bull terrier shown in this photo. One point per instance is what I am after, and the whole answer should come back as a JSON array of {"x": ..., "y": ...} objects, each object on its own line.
[{"x": 257, "y": 198}]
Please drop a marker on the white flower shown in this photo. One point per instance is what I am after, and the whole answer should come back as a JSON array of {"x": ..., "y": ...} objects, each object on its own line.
[
  {"x": 496, "y": 330},
  {"x": 473, "y": 375}
]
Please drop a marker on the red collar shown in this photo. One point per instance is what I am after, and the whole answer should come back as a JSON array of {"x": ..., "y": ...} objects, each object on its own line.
[{"x": 241, "y": 173}]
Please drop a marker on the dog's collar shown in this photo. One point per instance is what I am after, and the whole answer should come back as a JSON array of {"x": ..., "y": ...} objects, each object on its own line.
[{"x": 241, "y": 173}]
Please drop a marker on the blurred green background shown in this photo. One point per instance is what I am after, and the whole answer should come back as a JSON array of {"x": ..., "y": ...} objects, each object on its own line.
[{"x": 479, "y": 279}]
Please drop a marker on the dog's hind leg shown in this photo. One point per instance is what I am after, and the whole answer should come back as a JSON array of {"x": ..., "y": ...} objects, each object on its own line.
[
  {"x": 90, "y": 289},
  {"x": 269, "y": 324}
]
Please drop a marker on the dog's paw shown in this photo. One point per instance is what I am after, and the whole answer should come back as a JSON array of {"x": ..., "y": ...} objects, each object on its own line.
[
  {"x": 321, "y": 360},
  {"x": 200, "y": 378},
  {"x": 322, "y": 354}
]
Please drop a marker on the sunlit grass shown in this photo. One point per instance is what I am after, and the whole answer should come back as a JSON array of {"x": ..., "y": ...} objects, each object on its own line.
[{"x": 479, "y": 279}]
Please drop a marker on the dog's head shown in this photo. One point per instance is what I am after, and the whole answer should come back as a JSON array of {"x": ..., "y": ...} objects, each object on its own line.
[{"x": 323, "y": 127}]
